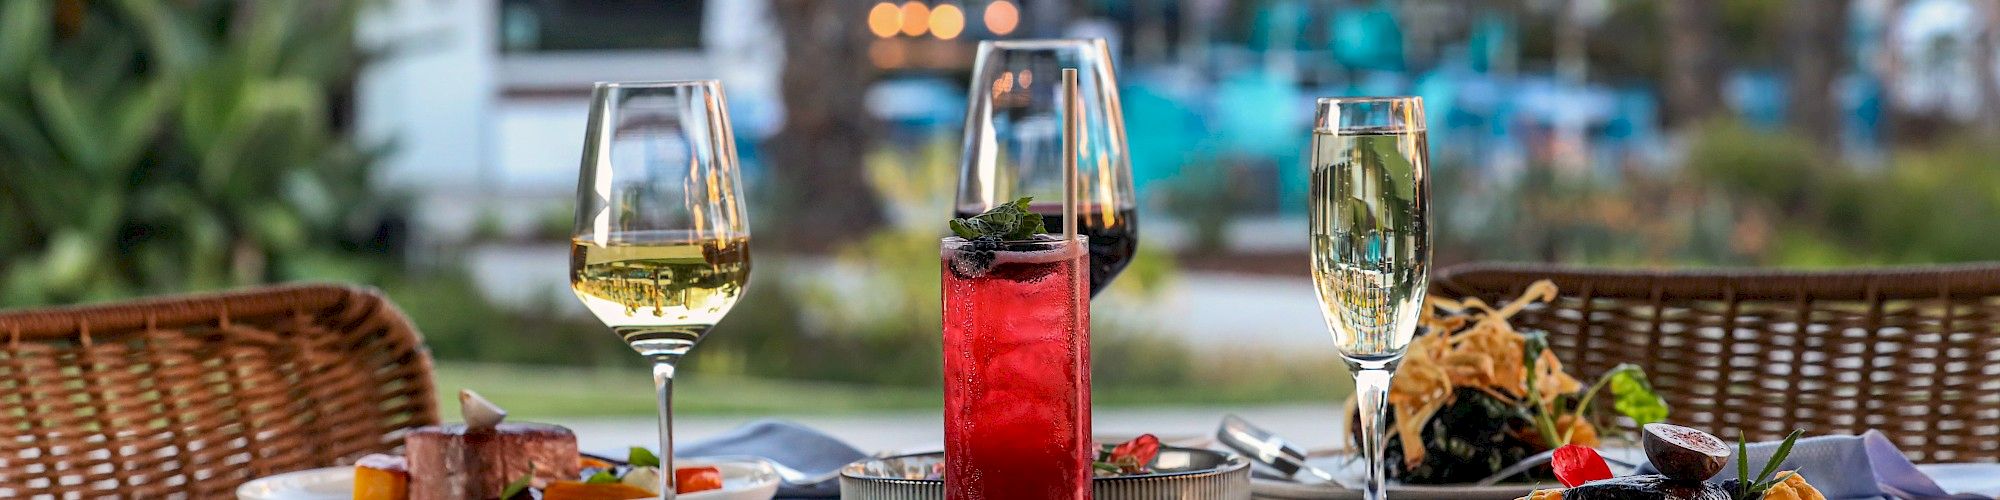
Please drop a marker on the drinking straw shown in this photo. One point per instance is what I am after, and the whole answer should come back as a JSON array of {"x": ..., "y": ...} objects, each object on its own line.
[{"x": 1072, "y": 126}]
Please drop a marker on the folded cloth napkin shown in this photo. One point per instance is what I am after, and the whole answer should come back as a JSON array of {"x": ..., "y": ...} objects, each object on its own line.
[
  {"x": 789, "y": 444},
  {"x": 1843, "y": 467}
]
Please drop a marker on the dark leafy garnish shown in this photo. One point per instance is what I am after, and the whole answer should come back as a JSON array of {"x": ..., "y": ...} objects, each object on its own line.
[
  {"x": 1008, "y": 221},
  {"x": 519, "y": 485},
  {"x": 1752, "y": 490},
  {"x": 641, "y": 457}
]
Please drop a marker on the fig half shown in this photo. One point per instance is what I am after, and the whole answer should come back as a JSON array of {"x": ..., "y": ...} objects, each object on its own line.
[{"x": 1683, "y": 453}]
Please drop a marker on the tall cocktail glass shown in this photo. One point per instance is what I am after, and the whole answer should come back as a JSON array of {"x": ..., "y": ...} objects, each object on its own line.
[{"x": 1017, "y": 369}]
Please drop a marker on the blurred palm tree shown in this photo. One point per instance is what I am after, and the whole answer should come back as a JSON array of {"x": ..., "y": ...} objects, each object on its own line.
[
  {"x": 1694, "y": 69},
  {"x": 151, "y": 146},
  {"x": 823, "y": 197},
  {"x": 1816, "y": 52}
]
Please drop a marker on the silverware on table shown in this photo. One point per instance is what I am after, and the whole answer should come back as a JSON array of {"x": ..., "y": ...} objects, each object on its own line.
[{"x": 1261, "y": 446}]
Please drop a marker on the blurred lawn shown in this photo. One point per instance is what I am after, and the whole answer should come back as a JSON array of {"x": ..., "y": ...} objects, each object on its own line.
[
  {"x": 537, "y": 392},
  {"x": 544, "y": 391}
]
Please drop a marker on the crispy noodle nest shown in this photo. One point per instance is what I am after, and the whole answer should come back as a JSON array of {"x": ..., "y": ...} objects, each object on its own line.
[{"x": 1472, "y": 346}]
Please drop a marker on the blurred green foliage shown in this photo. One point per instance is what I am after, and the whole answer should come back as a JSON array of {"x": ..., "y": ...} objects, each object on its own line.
[
  {"x": 875, "y": 319},
  {"x": 153, "y": 146},
  {"x": 1743, "y": 196},
  {"x": 1929, "y": 205},
  {"x": 1205, "y": 197},
  {"x": 460, "y": 323},
  {"x": 871, "y": 312}
]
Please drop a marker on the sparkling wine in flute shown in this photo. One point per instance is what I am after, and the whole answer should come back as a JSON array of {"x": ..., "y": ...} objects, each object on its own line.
[
  {"x": 1371, "y": 248},
  {"x": 660, "y": 290}
]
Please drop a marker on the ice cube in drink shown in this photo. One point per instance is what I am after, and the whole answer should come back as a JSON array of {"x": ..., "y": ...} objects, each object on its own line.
[{"x": 1017, "y": 369}]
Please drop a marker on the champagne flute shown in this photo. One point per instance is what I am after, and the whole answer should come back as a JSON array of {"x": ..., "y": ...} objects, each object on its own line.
[
  {"x": 1013, "y": 144},
  {"x": 1370, "y": 198},
  {"x": 661, "y": 247}
]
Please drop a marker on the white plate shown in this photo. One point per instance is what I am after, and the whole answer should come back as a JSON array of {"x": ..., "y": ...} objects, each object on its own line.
[
  {"x": 1976, "y": 479},
  {"x": 1265, "y": 488},
  {"x": 1350, "y": 471},
  {"x": 741, "y": 480},
  {"x": 331, "y": 483}
]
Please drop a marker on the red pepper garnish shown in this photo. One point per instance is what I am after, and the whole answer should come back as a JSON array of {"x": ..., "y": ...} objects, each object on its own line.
[
  {"x": 693, "y": 479},
  {"x": 1576, "y": 465},
  {"x": 1133, "y": 456}
]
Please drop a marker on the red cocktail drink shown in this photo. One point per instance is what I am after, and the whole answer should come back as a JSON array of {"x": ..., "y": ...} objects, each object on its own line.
[{"x": 1016, "y": 370}]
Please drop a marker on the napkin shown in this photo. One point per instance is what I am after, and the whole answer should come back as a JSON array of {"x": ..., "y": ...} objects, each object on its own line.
[
  {"x": 1844, "y": 467},
  {"x": 801, "y": 448}
]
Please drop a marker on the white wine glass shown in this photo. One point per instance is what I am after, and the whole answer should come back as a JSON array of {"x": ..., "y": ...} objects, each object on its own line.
[
  {"x": 1369, "y": 215},
  {"x": 661, "y": 247}
]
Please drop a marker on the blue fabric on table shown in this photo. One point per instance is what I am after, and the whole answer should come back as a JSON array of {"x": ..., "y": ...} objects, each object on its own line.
[
  {"x": 802, "y": 448},
  {"x": 1844, "y": 467}
]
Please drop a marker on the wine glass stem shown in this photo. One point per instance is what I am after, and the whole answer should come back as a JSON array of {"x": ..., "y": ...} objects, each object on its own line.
[
  {"x": 1371, "y": 389},
  {"x": 663, "y": 379}
]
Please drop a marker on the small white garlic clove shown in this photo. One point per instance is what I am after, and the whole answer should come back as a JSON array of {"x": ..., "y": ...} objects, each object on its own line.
[
  {"x": 479, "y": 413},
  {"x": 646, "y": 478}
]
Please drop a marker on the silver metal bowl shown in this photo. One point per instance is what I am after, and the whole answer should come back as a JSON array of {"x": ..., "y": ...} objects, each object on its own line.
[{"x": 1179, "y": 473}]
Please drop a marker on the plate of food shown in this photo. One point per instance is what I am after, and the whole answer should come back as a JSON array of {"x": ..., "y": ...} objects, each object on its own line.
[
  {"x": 1474, "y": 397},
  {"x": 486, "y": 458}
]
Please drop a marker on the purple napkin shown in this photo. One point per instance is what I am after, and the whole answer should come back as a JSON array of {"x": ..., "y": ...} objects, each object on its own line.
[
  {"x": 1842, "y": 467},
  {"x": 1897, "y": 476}
]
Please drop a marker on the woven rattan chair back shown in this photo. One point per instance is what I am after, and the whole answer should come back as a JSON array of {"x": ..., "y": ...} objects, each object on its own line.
[
  {"x": 188, "y": 397},
  {"x": 1912, "y": 352}
]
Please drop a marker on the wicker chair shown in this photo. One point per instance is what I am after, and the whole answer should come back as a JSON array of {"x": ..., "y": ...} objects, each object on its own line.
[
  {"x": 1914, "y": 352},
  {"x": 188, "y": 397}
]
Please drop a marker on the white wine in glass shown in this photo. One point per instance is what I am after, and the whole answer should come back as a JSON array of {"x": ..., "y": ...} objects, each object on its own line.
[
  {"x": 660, "y": 290},
  {"x": 1370, "y": 228},
  {"x": 661, "y": 249}
]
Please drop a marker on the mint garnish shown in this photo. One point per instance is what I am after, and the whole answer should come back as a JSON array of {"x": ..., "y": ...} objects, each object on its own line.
[{"x": 1008, "y": 222}]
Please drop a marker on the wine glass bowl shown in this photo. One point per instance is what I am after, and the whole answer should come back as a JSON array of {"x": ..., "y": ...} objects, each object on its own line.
[
  {"x": 1370, "y": 230},
  {"x": 1013, "y": 143},
  {"x": 660, "y": 250}
]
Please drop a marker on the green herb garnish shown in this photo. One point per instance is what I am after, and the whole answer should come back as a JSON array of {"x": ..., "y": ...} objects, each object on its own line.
[
  {"x": 515, "y": 488},
  {"x": 603, "y": 476},
  {"x": 1633, "y": 396},
  {"x": 1008, "y": 222},
  {"x": 1533, "y": 343},
  {"x": 641, "y": 457},
  {"x": 1742, "y": 466},
  {"x": 1749, "y": 490}
]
